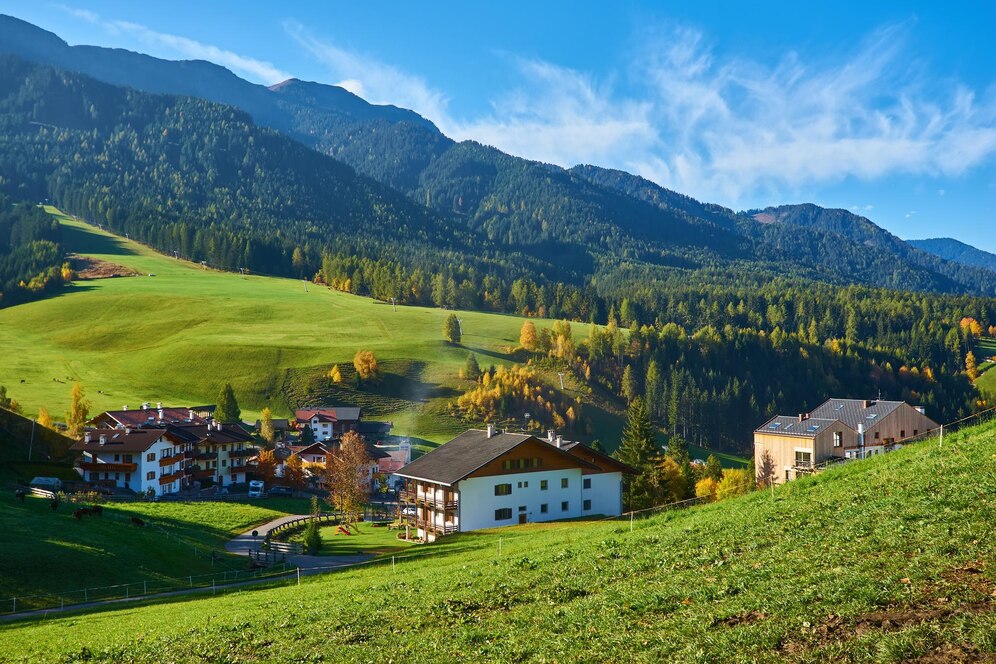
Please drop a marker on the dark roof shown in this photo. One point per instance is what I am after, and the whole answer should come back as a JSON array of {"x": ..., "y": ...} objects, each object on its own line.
[
  {"x": 601, "y": 460},
  {"x": 784, "y": 425},
  {"x": 207, "y": 433},
  {"x": 348, "y": 413},
  {"x": 374, "y": 427},
  {"x": 119, "y": 440},
  {"x": 853, "y": 412},
  {"x": 150, "y": 416},
  {"x": 455, "y": 460},
  {"x": 279, "y": 424}
]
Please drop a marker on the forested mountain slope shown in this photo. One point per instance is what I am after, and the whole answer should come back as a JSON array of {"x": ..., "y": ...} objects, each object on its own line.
[
  {"x": 591, "y": 219},
  {"x": 959, "y": 252}
]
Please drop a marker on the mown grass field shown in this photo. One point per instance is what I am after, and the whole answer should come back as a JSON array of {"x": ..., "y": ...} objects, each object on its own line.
[
  {"x": 887, "y": 559},
  {"x": 178, "y": 336},
  {"x": 366, "y": 538},
  {"x": 985, "y": 349},
  {"x": 45, "y": 555}
]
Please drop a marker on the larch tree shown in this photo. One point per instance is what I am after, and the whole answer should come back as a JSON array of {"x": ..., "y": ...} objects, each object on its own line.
[
  {"x": 705, "y": 488},
  {"x": 266, "y": 430},
  {"x": 294, "y": 474},
  {"x": 346, "y": 477},
  {"x": 227, "y": 409},
  {"x": 630, "y": 389},
  {"x": 527, "y": 336},
  {"x": 471, "y": 369},
  {"x": 365, "y": 364},
  {"x": 335, "y": 375},
  {"x": 735, "y": 482},
  {"x": 971, "y": 366},
  {"x": 451, "y": 329},
  {"x": 266, "y": 465},
  {"x": 44, "y": 419},
  {"x": 79, "y": 410}
]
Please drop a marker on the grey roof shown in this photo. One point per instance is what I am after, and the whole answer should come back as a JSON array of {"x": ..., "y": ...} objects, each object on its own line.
[
  {"x": 455, "y": 460},
  {"x": 853, "y": 412},
  {"x": 783, "y": 425}
]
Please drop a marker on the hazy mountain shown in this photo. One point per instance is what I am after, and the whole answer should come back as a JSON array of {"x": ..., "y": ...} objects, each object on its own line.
[{"x": 959, "y": 252}]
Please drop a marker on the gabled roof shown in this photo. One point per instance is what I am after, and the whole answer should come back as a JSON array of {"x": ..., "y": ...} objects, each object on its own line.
[
  {"x": 455, "y": 460},
  {"x": 119, "y": 440},
  {"x": 853, "y": 412},
  {"x": 783, "y": 425},
  {"x": 208, "y": 433},
  {"x": 605, "y": 463},
  {"x": 150, "y": 416},
  {"x": 334, "y": 413}
]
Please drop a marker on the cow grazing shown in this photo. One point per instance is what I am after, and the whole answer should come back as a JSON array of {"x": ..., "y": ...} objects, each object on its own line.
[
  {"x": 19, "y": 494},
  {"x": 54, "y": 504},
  {"x": 78, "y": 514},
  {"x": 97, "y": 510},
  {"x": 137, "y": 522}
]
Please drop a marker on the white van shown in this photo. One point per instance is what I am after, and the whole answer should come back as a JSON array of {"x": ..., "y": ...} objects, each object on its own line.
[{"x": 256, "y": 488}]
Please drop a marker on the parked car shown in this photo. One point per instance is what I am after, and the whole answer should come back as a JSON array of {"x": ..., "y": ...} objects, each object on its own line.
[
  {"x": 256, "y": 488},
  {"x": 281, "y": 491},
  {"x": 408, "y": 511}
]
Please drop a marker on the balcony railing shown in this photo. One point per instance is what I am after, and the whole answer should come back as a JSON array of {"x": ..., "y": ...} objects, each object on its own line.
[
  {"x": 173, "y": 477},
  {"x": 107, "y": 467},
  {"x": 446, "y": 529},
  {"x": 248, "y": 452},
  {"x": 427, "y": 501},
  {"x": 170, "y": 460}
]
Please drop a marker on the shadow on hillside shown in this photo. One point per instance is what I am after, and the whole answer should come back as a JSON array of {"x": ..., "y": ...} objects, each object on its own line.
[
  {"x": 82, "y": 241},
  {"x": 484, "y": 352}
]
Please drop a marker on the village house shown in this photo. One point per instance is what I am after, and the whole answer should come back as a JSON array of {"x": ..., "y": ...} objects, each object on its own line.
[
  {"x": 316, "y": 455},
  {"x": 141, "y": 460},
  {"x": 486, "y": 479},
  {"x": 163, "y": 449},
  {"x": 787, "y": 447},
  {"x": 328, "y": 422}
]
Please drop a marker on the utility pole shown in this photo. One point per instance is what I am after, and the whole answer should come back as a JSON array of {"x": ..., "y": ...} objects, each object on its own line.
[
  {"x": 460, "y": 325},
  {"x": 31, "y": 444},
  {"x": 305, "y": 282},
  {"x": 394, "y": 303},
  {"x": 561, "y": 374}
]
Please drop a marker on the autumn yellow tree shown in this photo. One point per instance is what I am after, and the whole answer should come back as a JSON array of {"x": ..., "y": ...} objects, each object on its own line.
[
  {"x": 346, "y": 477},
  {"x": 79, "y": 409},
  {"x": 294, "y": 474},
  {"x": 335, "y": 375},
  {"x": 735, "y": 482},
  {"x": 527, "y": 336},
  {"x": 266, "y": 465},
  {"x": 705, "y": 488},
  {"x": 365, "y": 364},
  {"x": 266, "y": 430},
  {"x": 45, "y": 419},
  {"x": 971, "y": 366}
]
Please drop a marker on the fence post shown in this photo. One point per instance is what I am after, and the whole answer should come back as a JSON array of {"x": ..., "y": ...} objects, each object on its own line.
[
  {"x": 191, "y": 580},
  {"x": 62, "y": 603},
  {"x": 940, "y": 440},
  {"x": 127, "y": 588},
  {"x": 630, "y": 522},
  {"x": 145, "y": 587},
  {"x": 298, "y": 576},
  {"x": 392, "y": 564},
  {"x": 84, "y": 595},
  {"x": 499, "y": 547},
  {"x": 15, "y": 606}
]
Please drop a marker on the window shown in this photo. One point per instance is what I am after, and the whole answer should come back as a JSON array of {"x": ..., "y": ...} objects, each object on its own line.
[
  {"x": 224, "y": 462},
  {"x": 127, "y": 458},
  {"x": 803, "y": 458},
  {"x": 563, "y": 482},
  {"x": 902, "y": 433},
  {"x": 506, "y": 464},
  {"x": 787, "y": 474},
  {"x": 916, "y": 431},
  {"x": 127, "y": 478},
  {"x": 876, "y": 435},
  {"x": 117, "y": 457},
  {"x": 151, "y": 456},
  {"x": 838, "y": 438},
  {"x": 537, "y": 462},
  {"x": 586, "y": 505},
  {"x": 544, "y": 508},
  {"x": 503, "y": 514},
  {"x": 586, "y": 483},
  {"x": 523, "y": 485},
  {"x": 503, "y": 489},
  {"x": 117, "y": 476},
  {"x": 522, "y": 508},
  {"x": 564, "y": 506},
  {"x": 544, "y": 485},
  {"x": 151, "y": 475}
]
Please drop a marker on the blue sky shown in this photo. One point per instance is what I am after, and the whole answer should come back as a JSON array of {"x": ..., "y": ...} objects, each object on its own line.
[{"x": 886, "y": 108}]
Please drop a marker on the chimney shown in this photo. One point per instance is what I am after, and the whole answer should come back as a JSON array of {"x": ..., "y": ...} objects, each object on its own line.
[
  {"x": 86, "y": 437},
  {"x": 190, "y": 414},
  {"x": 103, "y": 439},
  {"x": 124, "y": 407},
  {"x": 159, "y": 405},
  {"x": 127, "y": 430},
  {"x": 160, "y": 412},
  {"x": 491, "y": 430},
  {"x": 550, "y": 433},
  {"x": 921, "y": 410},
  {"x": 866, "y": 403},
  {"x": 560, "y": 441},
  {"x": 802, "y": 417}
]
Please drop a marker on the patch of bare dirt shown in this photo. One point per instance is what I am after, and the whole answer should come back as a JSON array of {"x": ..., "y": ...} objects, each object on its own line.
[{"x": 87, "y": 268}]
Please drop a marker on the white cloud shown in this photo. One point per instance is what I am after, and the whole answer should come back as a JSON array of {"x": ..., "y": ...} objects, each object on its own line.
[
  {"x": 910, "y": 213},
  {"x": 259, "y": 71},
  {"x": 375, "y": 81}
]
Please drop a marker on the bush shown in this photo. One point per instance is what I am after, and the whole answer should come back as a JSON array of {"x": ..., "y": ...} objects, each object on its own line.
[{"x": 312, "y": 538}]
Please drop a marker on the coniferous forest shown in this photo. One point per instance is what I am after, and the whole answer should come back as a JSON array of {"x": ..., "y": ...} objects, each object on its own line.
[{"x": 707, "y": 311}]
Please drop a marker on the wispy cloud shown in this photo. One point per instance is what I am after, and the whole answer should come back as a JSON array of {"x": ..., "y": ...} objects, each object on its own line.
[
  {"x": 375, "y": 81},
  {"x": 259, "y": 71}
]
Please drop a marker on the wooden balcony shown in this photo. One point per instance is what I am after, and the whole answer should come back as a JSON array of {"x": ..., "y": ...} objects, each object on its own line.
[
  {"x": 238, "y": 454},
  {"x": 416, "y": 522},
  {"x": 427, "y": 501},
  {"x": 169, "y": 461},
  {"x": 107, "y": 467},
  {"x": 174, "y": 477}
]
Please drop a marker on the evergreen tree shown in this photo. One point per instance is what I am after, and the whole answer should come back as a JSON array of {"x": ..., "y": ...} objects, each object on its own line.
[
  {"x": 451, "y": 329},
  {"x": 638, "y": 449},
  {"x": 227, "y": 410},
  {"x": 471, "y": 369},
  {"x": 653, "y": 390},
  {"x": 630, "y": 389},
  {"x": 713, "y": 469}
]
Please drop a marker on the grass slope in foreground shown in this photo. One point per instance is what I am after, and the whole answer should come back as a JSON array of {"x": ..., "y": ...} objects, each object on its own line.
[{"x": 888, "y": 559}]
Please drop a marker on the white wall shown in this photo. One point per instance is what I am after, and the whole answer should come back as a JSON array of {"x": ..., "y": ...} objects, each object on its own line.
[
  {"x": 478, "y": 501},
  {"x": 605, "y": 494}
]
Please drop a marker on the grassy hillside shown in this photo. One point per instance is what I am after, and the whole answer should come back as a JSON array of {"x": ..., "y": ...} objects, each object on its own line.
[
  {"x": 985, "y": 351},
  {"x": 886, "y": 559},
  {"x": 179, "y": 335},
  {"x": 46, "y": 555}
]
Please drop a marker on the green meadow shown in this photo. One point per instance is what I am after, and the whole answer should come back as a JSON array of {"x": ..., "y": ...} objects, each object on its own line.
[
  {"x": 886, "y": 559},
  {"x": 177, "y": 332}
]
